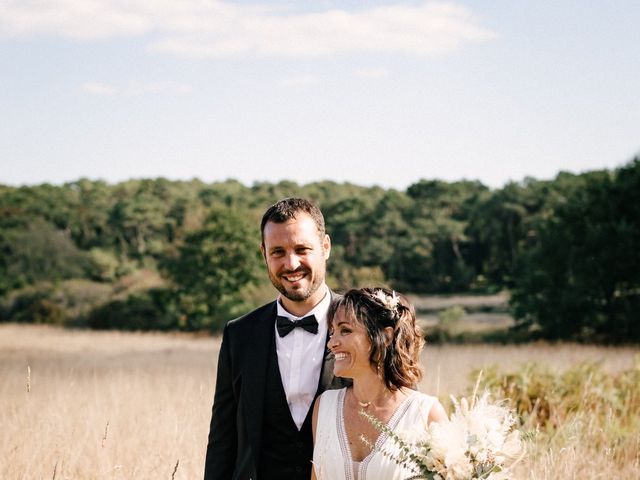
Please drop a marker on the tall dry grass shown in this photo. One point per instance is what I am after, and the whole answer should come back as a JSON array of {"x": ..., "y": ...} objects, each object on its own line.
[{"x": 107, "y": 405}]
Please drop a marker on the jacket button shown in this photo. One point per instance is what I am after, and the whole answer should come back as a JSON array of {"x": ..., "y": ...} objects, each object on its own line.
[{"x": 299, "y": 469}]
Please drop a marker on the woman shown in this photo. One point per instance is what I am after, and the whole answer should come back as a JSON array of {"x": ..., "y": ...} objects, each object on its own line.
[{"x": 377, "y": 343}]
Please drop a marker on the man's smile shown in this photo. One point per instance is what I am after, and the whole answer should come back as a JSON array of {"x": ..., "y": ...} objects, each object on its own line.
[{"x": 293, "y": 277}]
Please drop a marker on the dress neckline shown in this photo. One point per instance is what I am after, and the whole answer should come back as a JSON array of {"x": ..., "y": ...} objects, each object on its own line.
[{"x": 349, "y": 463}]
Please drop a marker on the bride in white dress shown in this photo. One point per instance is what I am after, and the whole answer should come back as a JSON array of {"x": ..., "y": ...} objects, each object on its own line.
[{"x": 377, "y": 343}]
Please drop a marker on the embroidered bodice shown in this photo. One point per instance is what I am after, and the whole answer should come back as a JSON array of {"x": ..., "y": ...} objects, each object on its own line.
[{"x": 332, "y": 455}]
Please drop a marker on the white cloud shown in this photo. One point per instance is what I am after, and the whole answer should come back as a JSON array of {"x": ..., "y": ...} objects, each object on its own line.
[
  {"x": 301, "y": 80},
  {"x": 98, "y": 88},
  {"x": 169, "y": 88},
  {"x": 215, "y": 28},
  {"x": 371, "y": 72},
  {"x": 137, "y": 88}
]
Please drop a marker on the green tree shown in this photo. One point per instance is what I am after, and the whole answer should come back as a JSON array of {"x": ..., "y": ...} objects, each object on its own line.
[
  {"x": 38, "y": 252},
  {"x": 581, "y": 278},
  {"x": 212, "y": 268},
  {"x": 434, "y": 247}
]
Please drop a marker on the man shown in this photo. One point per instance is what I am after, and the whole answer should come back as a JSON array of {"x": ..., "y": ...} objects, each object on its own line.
[{"x": 273, "y": 361}]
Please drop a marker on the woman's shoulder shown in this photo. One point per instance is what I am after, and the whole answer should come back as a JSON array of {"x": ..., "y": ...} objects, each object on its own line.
[
  {"x": 425, "y": 397},
  {"x": 332, "y": 395},
  {"x": 327, "y": 404},
  {"x": 428, "y": 406}
]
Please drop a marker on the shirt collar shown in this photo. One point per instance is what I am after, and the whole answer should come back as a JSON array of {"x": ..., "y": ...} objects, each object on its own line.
[{"x": 320, "y": 310}]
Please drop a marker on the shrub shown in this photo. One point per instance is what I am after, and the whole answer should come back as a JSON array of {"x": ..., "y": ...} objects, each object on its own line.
[
  {"x": 150, "y": 310},
  {"x": 548, "y": 400},
  {"x": 580, "y": 422},
  {"x": 32, "y": 305}
]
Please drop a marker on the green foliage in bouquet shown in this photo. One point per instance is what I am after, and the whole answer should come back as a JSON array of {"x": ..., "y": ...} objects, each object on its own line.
[{"x": 478, "y": 441}]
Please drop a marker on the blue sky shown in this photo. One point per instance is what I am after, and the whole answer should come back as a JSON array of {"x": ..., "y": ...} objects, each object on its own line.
[{"x": 370, "y": 92}]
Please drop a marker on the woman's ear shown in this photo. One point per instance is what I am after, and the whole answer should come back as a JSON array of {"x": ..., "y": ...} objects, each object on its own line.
[{"x": 388, "y": 335}]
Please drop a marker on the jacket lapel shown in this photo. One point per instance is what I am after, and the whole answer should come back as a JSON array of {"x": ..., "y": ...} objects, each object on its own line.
[
  {"x": 255, "y": 373},
  {"x": 326, "y": 373},
  {"x": 327, "y": 380}
]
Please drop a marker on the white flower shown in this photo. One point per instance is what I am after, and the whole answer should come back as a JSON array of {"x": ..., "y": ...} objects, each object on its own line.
[
  {"x": 512, "y": 445},
  {"x": 475, "y": 440},
  {"x": 389, "y": 301}
]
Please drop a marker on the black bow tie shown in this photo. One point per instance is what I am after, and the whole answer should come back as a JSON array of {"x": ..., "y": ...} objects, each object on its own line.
[{"x": 284, "y": 325}]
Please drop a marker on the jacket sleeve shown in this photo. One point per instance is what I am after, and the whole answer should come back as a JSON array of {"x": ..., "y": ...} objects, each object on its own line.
[{"x": 223, "y": 434}]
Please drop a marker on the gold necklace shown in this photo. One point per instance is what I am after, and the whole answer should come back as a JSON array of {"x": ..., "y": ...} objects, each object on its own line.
[{"x": 365, "y": 404}]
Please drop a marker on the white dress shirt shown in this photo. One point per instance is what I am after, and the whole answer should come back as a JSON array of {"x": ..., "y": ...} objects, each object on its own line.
[{"x": 300, "y": 357}]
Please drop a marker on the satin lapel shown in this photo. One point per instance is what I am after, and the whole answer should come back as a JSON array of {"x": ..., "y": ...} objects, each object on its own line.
[
  {"x": 326, "y": 375},
  {"x": 255, "y": 374},
  {"x": 327, "y": 380}
]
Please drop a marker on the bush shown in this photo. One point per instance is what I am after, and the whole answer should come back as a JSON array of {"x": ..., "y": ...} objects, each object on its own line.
[
  {"x": 32, "y": 305},
  {"x": 63, "y": 303},
  {"x": 448, "y": 328},
  {"x": 546, "y": 399},
  {"x": 104, "y": 264},
  {"x": 578, "y": 423},
  {"x": 150, "y": 310}
]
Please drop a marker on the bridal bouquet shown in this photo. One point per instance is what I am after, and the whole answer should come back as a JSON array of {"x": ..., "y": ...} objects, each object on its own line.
[{"x": 478, "y": 441}]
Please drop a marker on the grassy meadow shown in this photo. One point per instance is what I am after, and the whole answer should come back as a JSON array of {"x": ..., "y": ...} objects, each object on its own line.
[{"x": 109, "y": 405}]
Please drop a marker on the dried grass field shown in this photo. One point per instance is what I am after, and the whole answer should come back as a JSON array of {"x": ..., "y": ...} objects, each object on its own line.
[{"x": 109, "y": 405}]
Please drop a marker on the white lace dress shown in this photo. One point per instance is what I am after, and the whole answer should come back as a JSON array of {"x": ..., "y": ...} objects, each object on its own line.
[{"x": 332, "y": 456}]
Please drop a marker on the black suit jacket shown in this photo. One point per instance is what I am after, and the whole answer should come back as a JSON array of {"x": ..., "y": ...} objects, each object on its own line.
[{"x": 235, "y": 433}]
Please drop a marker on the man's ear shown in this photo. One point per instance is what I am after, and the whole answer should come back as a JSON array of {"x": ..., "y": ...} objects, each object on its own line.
[
  {"x": 326, "y": 246},
  {"x": 264, "y": 255}
]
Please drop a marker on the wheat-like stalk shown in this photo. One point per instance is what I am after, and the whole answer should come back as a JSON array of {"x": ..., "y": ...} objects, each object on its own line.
[
  {"x": 106, "y": 432},
  {"x": 475, "y": 389}
]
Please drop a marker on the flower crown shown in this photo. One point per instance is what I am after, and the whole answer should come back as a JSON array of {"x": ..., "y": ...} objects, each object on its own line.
[{"x": 389, "y": 301}]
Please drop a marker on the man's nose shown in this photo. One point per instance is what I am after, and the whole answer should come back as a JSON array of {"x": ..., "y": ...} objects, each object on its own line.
[{"x": 292, "y": 262}]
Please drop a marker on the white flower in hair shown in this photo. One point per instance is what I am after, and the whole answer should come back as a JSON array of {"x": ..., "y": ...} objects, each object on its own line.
[{"x": 389, "y": 301}]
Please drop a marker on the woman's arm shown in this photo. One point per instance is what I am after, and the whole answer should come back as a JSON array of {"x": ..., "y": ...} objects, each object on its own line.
[
  {"x": 314, "y": 423},
  {"x": 437, "y": 413}
]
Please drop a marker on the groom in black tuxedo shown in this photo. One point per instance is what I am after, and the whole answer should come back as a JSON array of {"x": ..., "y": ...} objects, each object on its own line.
[{"x": 273, "y": 361}]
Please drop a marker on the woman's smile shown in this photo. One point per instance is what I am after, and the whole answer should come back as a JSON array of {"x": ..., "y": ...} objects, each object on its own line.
[{"x": 350, "y": 346}]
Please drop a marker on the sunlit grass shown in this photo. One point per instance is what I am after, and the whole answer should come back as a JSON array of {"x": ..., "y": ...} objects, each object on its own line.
[{"x": 85, "y": 405}]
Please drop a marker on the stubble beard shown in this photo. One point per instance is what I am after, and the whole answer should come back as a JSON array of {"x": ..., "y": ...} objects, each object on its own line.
[{"x": 298, "y": 295}]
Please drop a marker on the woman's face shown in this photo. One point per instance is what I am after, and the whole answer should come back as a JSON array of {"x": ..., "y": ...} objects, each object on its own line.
[{"x": 351, "y": 346}]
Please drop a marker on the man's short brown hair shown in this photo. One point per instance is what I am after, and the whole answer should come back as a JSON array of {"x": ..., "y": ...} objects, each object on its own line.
[{"x": 288, "y": 208}]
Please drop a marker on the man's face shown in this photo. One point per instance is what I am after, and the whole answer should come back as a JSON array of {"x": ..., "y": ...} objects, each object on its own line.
[{"x": 296, "y": 255}]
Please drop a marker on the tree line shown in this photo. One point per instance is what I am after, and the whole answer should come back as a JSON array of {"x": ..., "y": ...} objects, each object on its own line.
[{"x": 163, "y": 254}]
